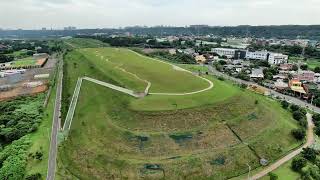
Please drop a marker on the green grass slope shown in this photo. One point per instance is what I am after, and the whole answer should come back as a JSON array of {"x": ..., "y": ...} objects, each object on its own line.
[
  {"x": 85, "y": 43},
  {"x": 123, "y": 65},
  {"x": 116, "y": 136}
]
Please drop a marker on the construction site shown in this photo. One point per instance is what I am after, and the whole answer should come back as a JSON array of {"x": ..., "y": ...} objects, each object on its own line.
[{"x": 28, "y": 81}]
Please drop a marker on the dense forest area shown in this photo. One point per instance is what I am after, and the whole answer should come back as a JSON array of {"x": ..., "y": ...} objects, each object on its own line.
[
  {"x": 18, "y": 118},
  {"x": 284, "y": 31}
]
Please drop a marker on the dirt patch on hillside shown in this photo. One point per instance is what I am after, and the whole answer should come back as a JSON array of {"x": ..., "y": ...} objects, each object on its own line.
[{"x": 21, "y": 91}]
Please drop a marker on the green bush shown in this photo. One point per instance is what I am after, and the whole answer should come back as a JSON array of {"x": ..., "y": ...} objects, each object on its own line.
[
  {"x": 285, "y": 104},
  {"x": 309, "y": 154},
  {"x": 36, "y": 176},
  {"x": 299, "y": 134},
  {"x": 298, "y": 163},
  {"x": 297, "y": 115},
  {"x": 294, "y": 107},
  {"x": 272, "y": 176}
]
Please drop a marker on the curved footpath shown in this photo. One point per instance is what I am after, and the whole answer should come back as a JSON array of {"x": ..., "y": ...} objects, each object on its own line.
[
  {"x": 178, "y": 69},
  {"x": 149, "y": 84},
  {"x": 277, "y": 164}
]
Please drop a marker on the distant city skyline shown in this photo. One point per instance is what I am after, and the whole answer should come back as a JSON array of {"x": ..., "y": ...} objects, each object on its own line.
[{"x": 57, "y": 14}]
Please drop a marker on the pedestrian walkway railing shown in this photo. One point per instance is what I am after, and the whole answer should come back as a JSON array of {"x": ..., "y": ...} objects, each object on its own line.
[{"x": 75, "y": 97}]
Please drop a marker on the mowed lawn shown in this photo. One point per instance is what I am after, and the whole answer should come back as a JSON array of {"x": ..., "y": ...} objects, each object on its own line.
[
  {"x": 116, "y": 136},
  {"x": 24, "y": 62},
  {"x": 163, "y": 77},
  {"x": 85, "y": 43}
]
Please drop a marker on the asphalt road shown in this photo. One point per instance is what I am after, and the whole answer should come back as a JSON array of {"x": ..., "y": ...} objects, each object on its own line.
[
  {"x": 55, "y": 127},
  {"x": 293, "y": 100},
  {"x": 290, "y": 99}
]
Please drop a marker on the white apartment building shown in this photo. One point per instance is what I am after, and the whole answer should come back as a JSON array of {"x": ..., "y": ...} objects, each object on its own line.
[
  {"x": 277, "y": 58},
  {"x": 257, "y": 55},
  {"x": 230, "y": 53}
]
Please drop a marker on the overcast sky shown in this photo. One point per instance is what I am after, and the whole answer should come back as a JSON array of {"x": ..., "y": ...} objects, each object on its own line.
[{"x": 34, "y": 14}]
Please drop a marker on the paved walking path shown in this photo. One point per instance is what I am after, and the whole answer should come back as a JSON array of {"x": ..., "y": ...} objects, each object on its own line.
[
  {"x": 310, "y": 141},
  {"x": 74, "y": 100},
  {"x": 178, "y": 69},
  {"x": 111, "y": 86},
  {"x": 72, "y": 107}
]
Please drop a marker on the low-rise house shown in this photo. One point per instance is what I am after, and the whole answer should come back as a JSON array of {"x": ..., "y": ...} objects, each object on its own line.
[
  {"x": 237, "y": 62},
  {"x": 296, "y": 86},
  {"x": 286, "y": 67},
  {"x": 189, "y": 51},
  {"x": 172, "y": 51},
  {"x": 279, "y": 85},
  {"x": 317, "y": 78},
  {"x": 257, "y": 74},
  {"x": 201, "y": 59},
  {"x": 308, "y": 76},
  {"x": 279, "y": 76}
]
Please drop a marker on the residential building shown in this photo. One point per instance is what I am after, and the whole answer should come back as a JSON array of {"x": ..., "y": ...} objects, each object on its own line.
[
  {"x": 189, "y": 51},
  {"x": 317, "y": 77},
  {"x": 172, "y": 51},
  {"x": 257, "y": 74},
  {"x": 296, "y": 86},
  {"x": 277, "y": 58},
  {"x": 305, "y": 76},
  {"x": 257, "y": 55},
  {"x": 201, "y": 59},
  {"x": 230, "y": 53},
  {"x": 286, "y": 67},
  {"x": 279, "y": 76},
  {"x": 280, "y": 85}
]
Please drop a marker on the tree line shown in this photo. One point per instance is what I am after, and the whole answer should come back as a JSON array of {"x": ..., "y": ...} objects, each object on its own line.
[{"x": 282, "y": 31}]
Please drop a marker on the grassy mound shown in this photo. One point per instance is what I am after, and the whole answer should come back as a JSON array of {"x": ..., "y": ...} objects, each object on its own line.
[
  {"x": 85, "y": 43},
  {"x": 196, "y": 136}
]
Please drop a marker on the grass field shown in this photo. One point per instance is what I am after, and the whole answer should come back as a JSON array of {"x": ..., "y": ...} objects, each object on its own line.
[
  {"x": 85, "y": 43},
  {"x": 164, "y": 77},
  {"x": 24, "y": 62},
  {"x": 312, "y": 63},
  {"x": 173, "y": 137}
]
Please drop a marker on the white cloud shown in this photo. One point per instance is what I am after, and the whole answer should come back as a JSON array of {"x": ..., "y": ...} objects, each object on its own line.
[{"x": 114, "y": 13}]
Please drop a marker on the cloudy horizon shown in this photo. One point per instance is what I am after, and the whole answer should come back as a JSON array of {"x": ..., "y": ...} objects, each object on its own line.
[{"x": 35, "y": 14}]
